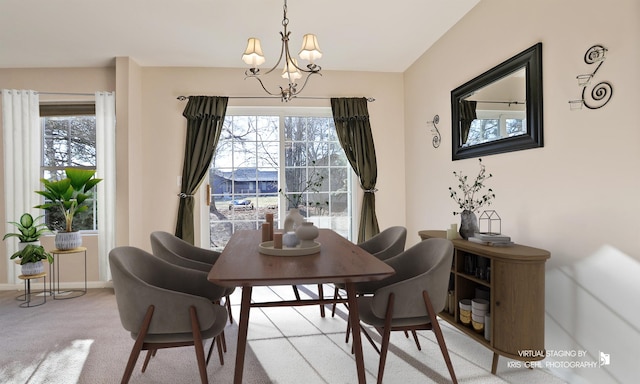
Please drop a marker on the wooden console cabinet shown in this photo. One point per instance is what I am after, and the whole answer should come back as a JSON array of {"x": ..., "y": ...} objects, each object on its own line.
[{"x": 516, "y": 290}]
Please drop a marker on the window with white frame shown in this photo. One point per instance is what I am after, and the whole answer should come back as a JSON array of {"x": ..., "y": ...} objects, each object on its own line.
[
  {"x": 68, "y": 140},
  {"x": 262, "y": 158},
  {"x": 495, "y": 124}
]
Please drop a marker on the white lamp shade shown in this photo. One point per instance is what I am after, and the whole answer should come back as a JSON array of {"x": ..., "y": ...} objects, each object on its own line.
[
  {"x": 253, "y": 55},
  {"x": 310, "y": 49},
  {"x": 290, "y": 71}
]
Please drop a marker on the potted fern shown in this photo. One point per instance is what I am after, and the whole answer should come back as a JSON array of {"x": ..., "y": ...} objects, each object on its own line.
[{"x": 69, "y": 196}]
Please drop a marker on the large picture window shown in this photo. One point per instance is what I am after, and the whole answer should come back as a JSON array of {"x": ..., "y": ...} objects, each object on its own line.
[
  {"x": 68, "y": 140},
  {"x": 259, "y": 155}
]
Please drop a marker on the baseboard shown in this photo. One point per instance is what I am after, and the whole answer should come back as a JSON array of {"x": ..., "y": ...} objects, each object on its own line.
[{"x": 69, "y": 285}]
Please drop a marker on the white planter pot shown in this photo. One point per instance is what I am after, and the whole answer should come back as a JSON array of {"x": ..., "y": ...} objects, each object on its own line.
[
  {"x": 22, "y": 245},
  {"x": 68, "y": 240},
  {"x": 32, "y": 268}
]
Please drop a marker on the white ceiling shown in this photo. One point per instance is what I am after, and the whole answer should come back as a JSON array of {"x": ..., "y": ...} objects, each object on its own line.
[{"x": 360, "y": 35}]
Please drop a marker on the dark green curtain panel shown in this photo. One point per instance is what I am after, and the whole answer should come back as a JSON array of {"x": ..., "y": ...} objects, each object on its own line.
[
  {"x": 467, "y": 115},
  {"x": 205, "y": 116},
  {"x": 351, "y": 117}
]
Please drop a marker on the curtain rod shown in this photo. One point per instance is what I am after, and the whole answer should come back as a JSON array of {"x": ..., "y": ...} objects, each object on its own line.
[
  {"x": 66, "y": 93},
  {"x": 499, "y": 102},
  {"x": 369, "y": 99}
]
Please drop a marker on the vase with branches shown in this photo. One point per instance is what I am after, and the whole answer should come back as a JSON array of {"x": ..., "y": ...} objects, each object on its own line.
[
  {"x": 294, "y": 200},
  {"x": 472, "y": 197}
]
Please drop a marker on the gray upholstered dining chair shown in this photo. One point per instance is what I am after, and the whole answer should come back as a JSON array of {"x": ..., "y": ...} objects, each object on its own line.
[
  {"x": 177, "y": 251},
  {"x": 161, "y": 305},
  {"x": 411, "y": 299},
  {"x": 386, "y": 244}
]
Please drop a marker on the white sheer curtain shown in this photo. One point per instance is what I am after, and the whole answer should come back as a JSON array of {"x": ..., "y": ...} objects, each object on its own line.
[
  {"x": 22, "y": 148},
  {"x": 106, "y": 169}
]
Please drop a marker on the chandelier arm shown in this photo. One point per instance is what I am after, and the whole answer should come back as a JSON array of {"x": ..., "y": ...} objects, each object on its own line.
[
  {"x": 262, "y": 85},
  {"x": 279, "y": 57},
  {"x": 309, "y": 74}
]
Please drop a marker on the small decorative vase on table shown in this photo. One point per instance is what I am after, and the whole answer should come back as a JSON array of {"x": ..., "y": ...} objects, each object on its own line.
[
  {"x": 290, "y": 240},
  {"x": 292, "y": 220},
  {"x": 307, "y": 233},
  {"x": 468, "y": 224}
]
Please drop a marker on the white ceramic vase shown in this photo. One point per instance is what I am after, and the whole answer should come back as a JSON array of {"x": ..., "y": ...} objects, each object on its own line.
[
  {"x": 292, "y": 220},
  {"x": 22, "y": 245},
  {"x": 307, "y": 233}
]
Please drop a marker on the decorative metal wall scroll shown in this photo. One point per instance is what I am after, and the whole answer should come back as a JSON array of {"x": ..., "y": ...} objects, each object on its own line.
[
  {"x": 600, "y": 93},
  {"x": 436, "y": 133}
]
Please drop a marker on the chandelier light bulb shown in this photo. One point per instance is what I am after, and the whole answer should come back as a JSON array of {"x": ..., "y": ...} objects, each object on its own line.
[
  {"x": 310, "y": 49},
  {"x": 253, "y": 55},
  {"x": 290, "y": 71}
]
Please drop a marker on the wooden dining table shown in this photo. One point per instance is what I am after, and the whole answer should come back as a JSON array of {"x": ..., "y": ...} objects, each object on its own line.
[{"x": 339, "y": 261}]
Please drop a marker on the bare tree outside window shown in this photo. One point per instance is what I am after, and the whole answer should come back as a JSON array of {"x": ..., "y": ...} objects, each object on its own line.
[{"x": 68, "y": 140}]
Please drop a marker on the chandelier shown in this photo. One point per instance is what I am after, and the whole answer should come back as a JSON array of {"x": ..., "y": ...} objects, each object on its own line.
[{"x": 310, "y": 51}]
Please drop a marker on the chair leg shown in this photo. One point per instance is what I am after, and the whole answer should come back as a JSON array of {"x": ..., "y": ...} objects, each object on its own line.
[
  {"x": 220, "y": 339},
  {"x": 227, "y": 302},
  {"x": 197, "y": 343},
  {"x": 321, "y": 296},
  {"x": 220, "y": 355},
  {"x": 295, "y": 292},
  {"x": 368, "y": 337},
  {"x": 348, "y": 332},
  {"x": 224, "y": 341},
  {"x": 386, "y": 334},
  {"x": 137, "y": 346},
  {"x": 435, "y": 326},
  {"x": 415, "y": 338},
  {"x": 213, "y": 341},
  {"x": 335, "y": 297},
  {"x": 147, "y": 358}
]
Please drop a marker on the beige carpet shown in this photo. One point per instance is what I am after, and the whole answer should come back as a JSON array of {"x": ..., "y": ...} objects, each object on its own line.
[{"x": 81, "y": 340}]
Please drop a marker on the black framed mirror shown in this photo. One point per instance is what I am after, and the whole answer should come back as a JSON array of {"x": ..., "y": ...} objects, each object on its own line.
[{"x": 500, "y": 110}]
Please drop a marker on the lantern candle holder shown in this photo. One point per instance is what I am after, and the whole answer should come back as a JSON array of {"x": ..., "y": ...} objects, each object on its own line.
[{"x": 490, "y": 223}]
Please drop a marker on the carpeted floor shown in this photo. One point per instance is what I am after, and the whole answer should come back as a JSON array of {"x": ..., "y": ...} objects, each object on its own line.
[{"x": 81, "y": 340}]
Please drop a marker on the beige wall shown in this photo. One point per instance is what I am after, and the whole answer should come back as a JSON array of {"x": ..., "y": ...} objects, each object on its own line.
[
  {"x": 150, "y": 132},
  {"x": 575, "y": 196},
  {"x": 70, "y": 80}
]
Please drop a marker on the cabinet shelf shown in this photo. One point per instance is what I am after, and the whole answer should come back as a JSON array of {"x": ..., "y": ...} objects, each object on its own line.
[
  {"x": 464, "y": 328},
  {"x": 474, "y": 279},
  {"x": 517, "y": 316}
]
